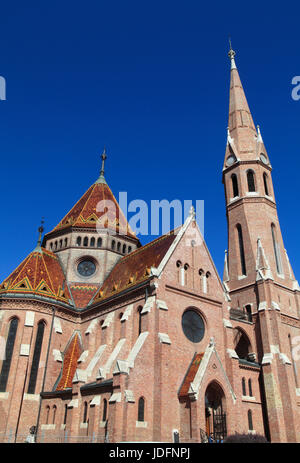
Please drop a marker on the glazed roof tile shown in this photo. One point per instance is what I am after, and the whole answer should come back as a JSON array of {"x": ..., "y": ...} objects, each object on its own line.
[
  {"x": 82, "y": 293},
  {"x": 41, "y": 274},
  {"x": 135, "y": 267},
  {"x": 191, "y": 373},
  {"x": 84, "y": 214},
  {"x": 69, "y": 366}
]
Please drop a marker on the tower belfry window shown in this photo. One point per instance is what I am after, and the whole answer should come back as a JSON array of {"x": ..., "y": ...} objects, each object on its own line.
[
  {"x": 235, "y": 187},
  {"x": 241, "y": 248},
  {"x": 251, "y": 181},
  {"x": 266, "y": 184}
]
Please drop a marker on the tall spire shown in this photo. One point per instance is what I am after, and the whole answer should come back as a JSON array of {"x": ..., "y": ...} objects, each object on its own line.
[
  {"x": 240, "y": 123},
  {"x": 101, "y": 179}
]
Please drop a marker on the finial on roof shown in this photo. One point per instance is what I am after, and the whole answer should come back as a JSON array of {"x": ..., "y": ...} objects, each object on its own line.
[
  {"x": 231, "y": 55},
  {"x": 40, "y": 230},
  {"x": 101, "y": 179}
]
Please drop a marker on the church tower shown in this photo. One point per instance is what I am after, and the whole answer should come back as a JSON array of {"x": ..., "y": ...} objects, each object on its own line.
[{"x": 257, "y": 274}]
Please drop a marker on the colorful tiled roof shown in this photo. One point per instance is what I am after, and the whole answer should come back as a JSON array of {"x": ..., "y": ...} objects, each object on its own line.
[
  {"x": 83, "y": 293},
  {"x": 191, "y": 373},
  {"x": 69, "y": 366},
  {"x": 135, "y": 267},
  {"x": 40, "y": 274},
  {"x": 84, "y": 213}
]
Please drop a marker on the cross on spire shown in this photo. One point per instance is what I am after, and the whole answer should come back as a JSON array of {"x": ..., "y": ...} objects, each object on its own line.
[
  {"x": 40, "y": 230},
  {"x": 231, "y": 55},
  {"x": 104, "y": 157}
]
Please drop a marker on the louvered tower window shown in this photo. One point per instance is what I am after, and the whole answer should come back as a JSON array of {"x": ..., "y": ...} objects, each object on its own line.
[
  {"x": 9, "y": 348},
  {"x": 250, "y": 180},
  {"x": 241, "y": 248},
  {"x": 235, "y": 188}
]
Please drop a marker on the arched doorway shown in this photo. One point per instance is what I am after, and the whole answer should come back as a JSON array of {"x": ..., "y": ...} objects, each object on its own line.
[{"x": 215, "y": 413}]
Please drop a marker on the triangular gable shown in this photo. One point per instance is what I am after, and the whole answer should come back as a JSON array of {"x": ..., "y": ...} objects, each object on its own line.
[
  {"x": 71, "y": 355},
  {"x": 190, "y": 375}
]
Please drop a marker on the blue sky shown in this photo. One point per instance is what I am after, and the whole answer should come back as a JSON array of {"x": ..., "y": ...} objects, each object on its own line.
[{"x": 149, "y": 80}]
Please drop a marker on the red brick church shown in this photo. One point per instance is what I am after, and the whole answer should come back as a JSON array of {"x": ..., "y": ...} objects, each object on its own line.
[{"x": 106, "y": 340}]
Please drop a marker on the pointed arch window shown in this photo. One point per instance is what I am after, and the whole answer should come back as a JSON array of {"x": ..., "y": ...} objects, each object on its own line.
[
  {"x": 9, "y": 348},
  {"x": 141, "y": 409},
  {"x": 54, "y": 414},
  {"x": 85, "y": 241},
  {"x": 241, "y": 249},
  {"x": 140, "y": 320},
  {"x": 235, "y": 187},
  {"x": 66, "y": 414},
  {"x": 251, "y": 181},
  {"x": 113, "y": 244},
  {"x": 104, "y": 410},
  {"x": 92, "y": 243},
  {"x": 250, "y": 421},
  {"x": 47, "y": 414},
  {"x": 248, "y": 312},
  {"x": 36, "y": 358},
  {"x": 78, "y": 241},
  {"x": 99, "y": 243},
  {"x": 250, "y": 387},
  {"x": 124, "y": 248},
  {"x": 85, "y": 410},
  {"x": 244, "y": 386},
  {"x": 265, "y": 177},
  {"x": 276, "y": 250}
]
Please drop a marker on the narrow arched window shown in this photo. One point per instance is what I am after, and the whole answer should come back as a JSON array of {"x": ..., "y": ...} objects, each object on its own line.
[
  {"x": 99, "y": 242},
  {"x": 276, "y": 250},
  {"x": 85, "y": 241},
  {"x": 244, "y": 386},
  {"x": 36, "y": 358},
  {"x": 78, "y": 241},
  {"x": 250, "y": 421},
  {"x": 248, "y": 312},
  {"x": 54, "y": 414},
  {"x": 235, "y": 188},
  {"x": 250, "y": 387},
  {"x": 51, "y": 245},
  {"x": 92, "y": 243},
  {"x": 85, "y": 410},
  {"x": 66, "y": 242},
  {"x": 207, "y": 278},
  {"x": 265, "y": 177},
  {"x": 119, "y": 247},
  {"x": 60, "y": 243},
  {"x": 140, "y": 320},
  {"x": 66, "y": 414},
  {"x": 55, "y": 245},
  {"x": 47, "y": 414},
  {"x": 124, "y": 248},
  {"x": 129, "y": 249},
  {"x": 113, "y": 244},
  {"x": 9, "y": 348},
  {"x": 250, "y": 180},
  {"x": 104, "y": 410},
  {"x": 241, "y": 248},
  {"x": 141, "y": 409}
]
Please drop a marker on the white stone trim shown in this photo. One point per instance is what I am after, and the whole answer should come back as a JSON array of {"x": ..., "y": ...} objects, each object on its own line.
[
  {"x": 164, "y": 338},
  {"x": 83, "y": 356},
  {"x": 262, "y": 306},
  {"x": 103, "y": 371},
  {"x": 127, "y": 312},
  {"x": 129, "y": 396},
  {"x": 73, "y": 403},
  {"x": 141, "y": 424},
  {"x": 102, "y": 424},
  {"x": 275, "y": 306},
  {"x": 248, "y": 398},
  {"x": 4, "y": 395},
  {"x": 32, "y": 397},
  {"x": 232, "y": 353},
  {"x": 148, "y": 304},
  {"x": 116, "y": 397},
  {"x": 84, "y": 425},
  {"x": 24, "y": 350},
  {"x": 29, "y": 318},
  {"x": 95, "y": 359},
  {"x": 80, "y": 376},
  {"x": 274, "y": 349},
  {"x": 121, "y": 367},
  {"x": 161, "y": 304},
  {"x": 108, "y": 320},
  {"x": 91, "y": 326},
  {"x": 47, "y": 427},
  {"x": 136, "y": 348},
  {"x": 57, "y": 325},
  {"x": 96, "y": 400},
  {"x": 57, "y": 355},
  {"x": 284, "y": 358},
  {"x": 298, "y": 391},
  {"x": 227, "y": 323},
  {"x": 267, "y": 359}
]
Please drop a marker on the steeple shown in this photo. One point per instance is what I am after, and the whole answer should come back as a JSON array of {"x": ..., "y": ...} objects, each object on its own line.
[
  {"x": 101, "y": 179},
  {"x": 40, "y": 230},
  {"x": 241, "y": 128}
]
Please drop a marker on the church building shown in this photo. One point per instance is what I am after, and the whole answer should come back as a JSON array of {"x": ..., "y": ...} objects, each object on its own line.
[{"x": 106, "y": 340}]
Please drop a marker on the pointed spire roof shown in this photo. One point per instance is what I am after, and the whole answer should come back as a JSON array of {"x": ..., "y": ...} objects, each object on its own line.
[
  {"x": 97, "y": 208},
  {"x": 242, "y": 136},
  {"x": 39, "y": 274}
]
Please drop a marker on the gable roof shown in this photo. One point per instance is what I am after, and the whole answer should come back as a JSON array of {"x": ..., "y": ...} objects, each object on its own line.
[
  {"x": 82, "y": 293},
  {"x": 190, "y": 375},
  {"x": 69, "y": 366},
  {"x": 40, "y": 274}
]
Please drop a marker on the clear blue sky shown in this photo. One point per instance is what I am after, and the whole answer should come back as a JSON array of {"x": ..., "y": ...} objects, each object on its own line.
[{"x": 150, "y": 80}]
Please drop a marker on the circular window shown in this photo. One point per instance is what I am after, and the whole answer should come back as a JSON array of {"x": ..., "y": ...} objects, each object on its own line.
[
  {"x": 86, "y": 267},
  {"x": 230, "y": 160},
  {"x": 263, "y": 159},
  {"x": 193, "y": 326}
]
